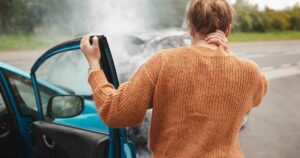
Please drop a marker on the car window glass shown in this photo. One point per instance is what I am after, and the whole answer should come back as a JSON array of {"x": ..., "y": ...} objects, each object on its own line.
[
  {"x": 67, "y": 71},
  {"x": 24, "y": 94},
  {"x": 2, "y": 103}
]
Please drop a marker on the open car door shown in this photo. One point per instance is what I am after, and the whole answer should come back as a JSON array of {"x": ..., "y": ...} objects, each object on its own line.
[{"x": 64, "y": 70}]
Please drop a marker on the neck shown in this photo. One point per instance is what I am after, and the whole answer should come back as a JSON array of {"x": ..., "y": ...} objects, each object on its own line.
[{"x": 196, "y": 39}]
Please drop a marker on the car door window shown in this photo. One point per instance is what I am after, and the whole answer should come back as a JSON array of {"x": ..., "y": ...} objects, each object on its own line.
[
  {"x": 2, "y": 103},
  {"x": 67, "y": 73},
  {"x": 24, "y": 94}
]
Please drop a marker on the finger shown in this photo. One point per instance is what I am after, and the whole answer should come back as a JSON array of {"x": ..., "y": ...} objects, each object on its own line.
[
  {"x": 223, "y": 46},
  {"x": 86, "y": 40},
  {"x": 215, "y": 37},
  {"x": 212, "y": 36},
  {"x": 82, "y": 43},
  {"x": 214, "y": 41},
  {"x": 215, "y": 34},
  {"x": 95, "y": 43},
  {"x": 221, "y": 32},
  {"x": 218, "y": 43},
  {"x": 218, "y": 35}
]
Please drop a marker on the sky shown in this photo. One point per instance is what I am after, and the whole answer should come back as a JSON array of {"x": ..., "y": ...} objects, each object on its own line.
[{"x": 275, "y": 4}]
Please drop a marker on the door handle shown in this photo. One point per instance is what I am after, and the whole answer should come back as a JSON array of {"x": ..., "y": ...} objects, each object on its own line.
[
  {"x": 4, "y": 134},
  {"x": 48, "y": 142}
]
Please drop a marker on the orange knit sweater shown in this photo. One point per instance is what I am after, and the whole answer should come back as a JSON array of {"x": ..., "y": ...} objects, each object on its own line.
[{"x": 199, "y": 98}]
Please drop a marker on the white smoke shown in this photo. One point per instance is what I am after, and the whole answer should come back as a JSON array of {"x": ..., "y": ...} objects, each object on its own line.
[
  {"x": 115, "y": 17},
  {"x": 117, "y": 20}
]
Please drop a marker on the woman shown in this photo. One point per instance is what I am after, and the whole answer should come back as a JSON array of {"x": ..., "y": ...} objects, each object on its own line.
[{"x": 199, "y": 94}]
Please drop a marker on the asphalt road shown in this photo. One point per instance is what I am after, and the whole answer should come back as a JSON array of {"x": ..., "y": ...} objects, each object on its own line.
[
  {"x": 21, "y": 59},
  {"x": 273, "y": 129}
]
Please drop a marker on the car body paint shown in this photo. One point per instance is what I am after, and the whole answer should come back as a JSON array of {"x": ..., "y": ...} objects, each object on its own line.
[{"x": 88, "y": 119}]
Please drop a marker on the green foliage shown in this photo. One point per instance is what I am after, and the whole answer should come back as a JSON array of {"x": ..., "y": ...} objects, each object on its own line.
[
  {"x": 295, "y": 17},
  {"x": 166, "y": 13},
  {"x": 28, "y": 41},
  {"x": 264, "y": 36},
  {"x": 29, "y": 16},
  {"x": 250, "y": 19},
  {"x": 20, "y": 16},
  {"x": 25, "y": 16}
]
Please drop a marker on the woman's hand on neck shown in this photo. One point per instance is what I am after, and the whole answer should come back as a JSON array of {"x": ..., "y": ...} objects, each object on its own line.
[
  {"x": 213, "y": 40},
  {"x": 199, "y": 40}
]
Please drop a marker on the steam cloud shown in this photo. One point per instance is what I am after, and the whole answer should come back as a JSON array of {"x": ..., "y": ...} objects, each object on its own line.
[{"x": 117, "y": 20}]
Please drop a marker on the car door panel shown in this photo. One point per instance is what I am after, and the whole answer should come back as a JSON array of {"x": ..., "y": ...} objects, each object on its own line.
[
  {"x": 20, "y": 124},
  {"x": 68, "y": 142}
]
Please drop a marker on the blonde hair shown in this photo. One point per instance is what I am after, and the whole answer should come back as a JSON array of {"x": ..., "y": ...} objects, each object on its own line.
[{"x": 207, "y": 16}]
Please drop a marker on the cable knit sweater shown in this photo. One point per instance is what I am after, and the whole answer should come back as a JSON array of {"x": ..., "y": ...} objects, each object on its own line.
[{"x": 199, "y": 98}]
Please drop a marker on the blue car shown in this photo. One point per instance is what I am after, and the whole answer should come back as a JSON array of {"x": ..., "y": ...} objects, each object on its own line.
[{"x": 50, "y": 112}]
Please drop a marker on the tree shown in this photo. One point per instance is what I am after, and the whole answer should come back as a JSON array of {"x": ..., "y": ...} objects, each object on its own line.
[
  {"x": 6, "y": 11},
  {"x": 248, "y": 17},
  {"x": 19, "y": 16},
  {"x": 277, "y": 20},
  {"x": 295, "y": 17},
  {"x": 165, "y": 13}
]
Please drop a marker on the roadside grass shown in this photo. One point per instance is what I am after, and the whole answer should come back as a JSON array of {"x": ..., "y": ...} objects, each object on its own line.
[
  {"x": 34, "y": 42},
  {"x": 28, "y": 42},
  {"x": 267, "y": 36}
]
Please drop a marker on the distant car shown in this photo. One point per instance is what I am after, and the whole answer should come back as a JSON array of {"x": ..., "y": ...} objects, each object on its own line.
[{"x": 50, "y": 112}]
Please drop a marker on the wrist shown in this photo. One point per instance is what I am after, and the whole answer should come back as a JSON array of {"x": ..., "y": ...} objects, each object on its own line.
[
  {"x": 92, "y": 69},
  {"x": 95, "y": 66}
]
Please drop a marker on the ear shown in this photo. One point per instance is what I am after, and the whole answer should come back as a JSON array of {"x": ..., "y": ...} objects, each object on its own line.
[{"x": 228, "y": 31}]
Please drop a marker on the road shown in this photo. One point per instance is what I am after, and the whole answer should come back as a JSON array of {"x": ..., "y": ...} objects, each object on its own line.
[
  {"x": 273, "y": 129},
  {"x": 21, "y": 59}
]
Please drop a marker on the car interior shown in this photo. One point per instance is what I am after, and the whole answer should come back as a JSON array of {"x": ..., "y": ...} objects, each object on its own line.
[
  {"x": 60, "y": 141},
  {"x": 10, "y": 143}
]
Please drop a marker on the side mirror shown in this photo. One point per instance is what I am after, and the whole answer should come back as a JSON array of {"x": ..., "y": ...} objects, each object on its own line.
[{"x": 65, "y": 106}]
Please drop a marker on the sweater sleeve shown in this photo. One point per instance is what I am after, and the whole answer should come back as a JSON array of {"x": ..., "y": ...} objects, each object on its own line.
[
  {"x": 261, "y": 89},
  {"x": 128, "y": 105}
]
